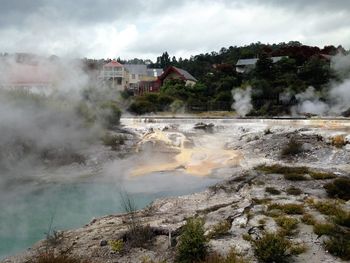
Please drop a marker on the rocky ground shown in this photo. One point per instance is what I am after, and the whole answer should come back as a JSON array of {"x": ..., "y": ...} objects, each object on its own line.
[{"x": 236, "y": 212}]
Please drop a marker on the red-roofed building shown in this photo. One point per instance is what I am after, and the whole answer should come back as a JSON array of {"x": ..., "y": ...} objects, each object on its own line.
[
  {"x": 115, "y": 76},
  {"x": 177, "y": 73}
]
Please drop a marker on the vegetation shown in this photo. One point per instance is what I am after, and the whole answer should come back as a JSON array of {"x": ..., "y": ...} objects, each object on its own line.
[
  {"x": 288, "y": 224},
  {"x": 116, "y": 245},
  {"x": 308, "y": 219},
  {"x": 220, "y": 229},
  {"x": 192, "y": 245},
  {"x": 293, "y": 147},
  {"x": 231, "y": 257},
  {"x": 272, "y": 247},
  {"x": 294, "y": 191},
  {"x": 290, "y": 209},
  {"x": 51, "y": 257},
  {"x": 339, "y": 245},
  {"x": 324, "y": 229},
  {"x": 272, "y": 190},
  {"x": 113, "y": 141},
  {"x": 339, "y": 188}
]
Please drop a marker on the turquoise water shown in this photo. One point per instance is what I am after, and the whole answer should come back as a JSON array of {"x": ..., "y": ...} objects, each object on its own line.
[{"x": 27, "y": 210}]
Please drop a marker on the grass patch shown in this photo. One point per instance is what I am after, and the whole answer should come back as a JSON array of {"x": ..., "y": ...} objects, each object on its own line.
[
  {"x": 328, "y": 208},
  {"x": 232, "y": 257},
  {"x": 271, "y": 247},
  {"x": 292, "y": 148},
  {"x": 321, "y": 229},
  {"x": 298, "y": 249},
  {"x": 339, "y": 188},
  {"x": 50, "y": 257},
  {"x": 290, "y": 209},
  {"x": 272, "y": 190},
  {"x": 308, "y": 219},
  {"x": 339, "y": 245},
  {"x": 342, "y": 218},
  {"x": 338, "y": 141},
  {"x": 220, "y": 229},
  {"x": 295, "y": 173},
  {"x": 294, "y": 191},
  {"x": 287, "y": 224}
]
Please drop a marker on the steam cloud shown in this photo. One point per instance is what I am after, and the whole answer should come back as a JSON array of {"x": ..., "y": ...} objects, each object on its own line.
[{"x": 242, "y": 101}]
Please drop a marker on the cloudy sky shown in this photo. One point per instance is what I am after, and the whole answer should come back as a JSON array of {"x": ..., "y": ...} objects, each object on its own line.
[{"x": 146, "y": 28}]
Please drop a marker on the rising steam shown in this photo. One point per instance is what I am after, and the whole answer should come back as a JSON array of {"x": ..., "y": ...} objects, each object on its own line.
[{"x": 242, "y": 101}]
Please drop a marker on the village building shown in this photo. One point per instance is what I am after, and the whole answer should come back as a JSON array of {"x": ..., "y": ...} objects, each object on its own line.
[
  {"x": 247, "y": 65},
  {"x": 177, "y": 73},
  {"x": 115, "y": 76}
]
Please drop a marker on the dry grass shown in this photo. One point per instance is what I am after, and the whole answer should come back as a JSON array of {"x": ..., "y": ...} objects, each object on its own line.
[
  {"x": 290, "y": 209},
  {"x": 232, "y": 257},
  {"x": 294, "y": 191},
  {"x": 50, "y": 257},
  {"x": 338, "y": 141},
  {"x": 308, "y": 219},
  {"x": 288, "y": 225},
  {"x": 272, "y": 190},
  {"x": 321, "y": 229},
  {"x": 220, "y": 229}
]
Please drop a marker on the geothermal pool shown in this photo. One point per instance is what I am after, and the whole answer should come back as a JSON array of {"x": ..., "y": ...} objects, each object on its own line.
[{"x": 196, "y": 159}]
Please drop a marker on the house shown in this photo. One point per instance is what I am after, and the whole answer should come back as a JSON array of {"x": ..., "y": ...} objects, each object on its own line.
[
  {"x": 177, "y": 73},
  {"x": 36, "y": 78},
  {"x": 247, "y": 65},
  {"x": 115, "y": 75}
]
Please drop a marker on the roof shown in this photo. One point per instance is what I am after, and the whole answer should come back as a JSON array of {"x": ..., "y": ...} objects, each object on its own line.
[
  {"x": 183, "y": 73},
  {"x": 113, "y": 64},
  {"x": 139, "y": 69},
  {"x": 252, "y": 61}
]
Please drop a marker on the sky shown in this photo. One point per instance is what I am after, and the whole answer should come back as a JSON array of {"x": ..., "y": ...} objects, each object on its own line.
[{"x": 145, "y": 29}]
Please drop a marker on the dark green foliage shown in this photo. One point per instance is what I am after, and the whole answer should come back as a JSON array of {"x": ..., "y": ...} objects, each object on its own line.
[
  {"x": 272, "y": 247},
  {"x": 339, "y": 245},
  {"x": 192, "y": 245},
  {"x": 339, "y": 188},
  {"x": 141, "y": 107}
]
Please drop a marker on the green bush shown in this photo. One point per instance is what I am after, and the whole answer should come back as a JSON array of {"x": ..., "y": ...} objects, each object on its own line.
[
  {"x": 116, "y": 245},
  {"x": 272, "y": 247},
  {"x": 109, "y": 114},
  {"x": 290, "y": 209},
  {"x": 339, "y": 188},
  {"x": 192, "y": 245},
  {"x": 339, "y": 245},
  {"x": 140, "y": 107}
]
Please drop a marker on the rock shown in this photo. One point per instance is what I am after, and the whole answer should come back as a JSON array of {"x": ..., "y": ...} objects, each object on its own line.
[
  {"x": 203, "y": 126},
  {"x": 103, "y": 243}
]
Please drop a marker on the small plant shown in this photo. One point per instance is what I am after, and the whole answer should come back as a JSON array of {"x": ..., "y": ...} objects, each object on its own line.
[
  {"x": 339, "y": 188},
  {"x": 192, "y": 245},
  {"x": 321, "y": 229},
  {"x": 290, "y": 209},
  {"x": 232, "y": 257},
  {"x": 308, "y": 219},
  {"x": 342, "y": 218},
  {"x": 298, "y": 249},
  {"x": 220, "y": 229},
  {"x": 294, "y": 191},
  {"x": 113, "y": 141},
  {"x": 327, "y": 207},
  {"x": 293, "y": 147},
  {"x": 272, "y": 190},
  {"x": 339, "y": 245},
  {"x": 262, "y": 221},
  {"x": 116, "y": 245},
  {"x": 287, "y": 224},
  {"x": 338, "y": 141},
  {"x": 322, "y": 175},
  {"x": 271, "y": 247}
]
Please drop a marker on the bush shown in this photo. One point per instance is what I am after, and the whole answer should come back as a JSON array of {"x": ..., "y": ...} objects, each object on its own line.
[
  {"x": 287, "y": 224},
  {"x": 220, "y": 229},
  {"x": 290, "y": 209},
  {"x": 342, "y": 218},
  {"x": 295, "y": 177},
  {"x": 140, "y": 107},
  {"x": 339, "y": 188},
  {"x": 339, "y": 245},
  {"x": 272, "y": 247},
  {"x": 294, "y": 191},
  {"x": 298, "y": 249},
  {"x": 109, "y": 114},
  {"x": 272, "y": 190},
  {"x": 192, "y": 245},
  {"x": 139, "y": 236},
  {"x": 308, "y": 219},
  {"x": 327, "y": 207},
  {"x": 338, "y": 141},
  {"x": 324, "y": 229},
  {"x": 116, "y": 245},
  {"x": 113, "y": 141},
  {"x": 293, "y": 147}
]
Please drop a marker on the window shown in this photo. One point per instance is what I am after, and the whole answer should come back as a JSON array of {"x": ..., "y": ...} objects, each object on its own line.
[{"x": 119, "y": 81}]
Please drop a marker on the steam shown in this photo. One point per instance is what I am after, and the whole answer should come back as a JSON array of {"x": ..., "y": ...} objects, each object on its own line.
[
  {"x": 309, "y": 102},
  {"x": 242, "y": 101}
]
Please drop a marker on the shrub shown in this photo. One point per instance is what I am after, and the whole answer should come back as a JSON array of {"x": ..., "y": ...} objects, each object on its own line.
[
  {"x": 294, "y": 191},
  {"x": 232, "y": 257},
  {"x": 116, "y": 245},
  {"x": 339, "y": 188},
  {"x": 324, "y": 229},
  {"x": 287, "y": 224},
  {"x": 192, "y": 245},
  {"x": 293, "y": 147},
  {"x": 327, "y": 207},
  {"x": 342, "y": 218},
  {"x": 339, "y": 245},
  {"x": 290, "y": 209},
  {"x": 220, "y": 229},
  {"x": 140, "y": 107},
  {"x": 295, "y": 177},
  {"x": 308, "y": 219},
  {"x": 139, "y": 236},
  {"x": 298, "y": 249},
  {"x": 50, "y": 257},
  {"x": 113, "y": 141},
  {"x": 338, "y": 141},
  {"x": 271, "y": 247},
  {"x": 109, "y": 114},
  {"x": 272, "y": 190},
  {"x": 322, "y": 175}
]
